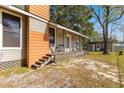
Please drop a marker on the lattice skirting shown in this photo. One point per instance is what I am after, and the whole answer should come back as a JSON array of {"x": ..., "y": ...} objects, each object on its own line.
[{"x": 12, "y": 63}]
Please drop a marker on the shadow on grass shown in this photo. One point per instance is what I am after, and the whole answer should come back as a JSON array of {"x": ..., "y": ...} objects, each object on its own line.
[{"x": 95, "y": 53}]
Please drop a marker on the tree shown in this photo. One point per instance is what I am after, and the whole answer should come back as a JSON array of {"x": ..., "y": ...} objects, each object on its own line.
[
  {"x": 96, "y": 36},
  {"x": 74, "y": 17},
  {"x": 122, "y": 30},
  {"x": 106, "y": 15}
]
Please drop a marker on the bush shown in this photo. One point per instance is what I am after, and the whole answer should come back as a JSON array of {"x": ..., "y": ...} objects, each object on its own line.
[{"x": 120, "y": 52}]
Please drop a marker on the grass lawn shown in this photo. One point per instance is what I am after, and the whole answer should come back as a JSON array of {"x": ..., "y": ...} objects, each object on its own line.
[
  {"x": 111, "y": 59},
  {"x": 17, "y": 70}
]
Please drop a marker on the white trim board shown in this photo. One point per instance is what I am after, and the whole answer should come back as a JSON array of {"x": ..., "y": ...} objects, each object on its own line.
[
  {"x": 1, "y": 29},
  {"x": 24, "y": 12}
]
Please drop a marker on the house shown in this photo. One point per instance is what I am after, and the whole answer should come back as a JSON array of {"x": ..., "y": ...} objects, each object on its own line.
[
  {"x": 99, "y": 46},
  {"x": 27, "y": 36}
]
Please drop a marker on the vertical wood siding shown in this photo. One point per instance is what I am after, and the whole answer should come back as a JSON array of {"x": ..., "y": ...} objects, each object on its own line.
[{"x": 40, "y": 10}]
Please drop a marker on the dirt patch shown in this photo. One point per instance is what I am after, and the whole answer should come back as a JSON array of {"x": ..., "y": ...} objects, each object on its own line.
[{"x": 77, "y": 73}]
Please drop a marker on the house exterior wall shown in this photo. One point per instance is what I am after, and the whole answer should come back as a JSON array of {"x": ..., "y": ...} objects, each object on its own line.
[
  {"x": 34, "y": 38},
  {"x": 42, "y": 11},
  {"x": 93, "y": 46},
  {"x": 35, "y": 42},
  {"x": 10, "y": 57},
  {"x": 38, "y": 42},
  {"x": 74, "y": 37},
  {"x": 59, "y": 37},
  {"x": 62, "y": 41}
]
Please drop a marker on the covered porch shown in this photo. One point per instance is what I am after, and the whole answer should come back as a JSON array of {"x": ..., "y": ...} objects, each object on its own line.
[{"x": 63, "y": 40}]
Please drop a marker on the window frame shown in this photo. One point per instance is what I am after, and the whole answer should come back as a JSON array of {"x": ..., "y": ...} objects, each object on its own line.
[{"x": 13, "y": 14}]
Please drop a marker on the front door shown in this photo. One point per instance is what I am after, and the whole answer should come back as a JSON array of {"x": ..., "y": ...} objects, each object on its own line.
[
  {"x": 68, "y": 43},
  {"x": 52, "y": 39}
]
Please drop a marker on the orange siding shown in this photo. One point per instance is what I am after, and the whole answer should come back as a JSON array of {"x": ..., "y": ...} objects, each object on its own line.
[
  {"x": 38, "y": 46},
  {"x": 40, "y": 10},
  {"x": 38, "y": 42}
]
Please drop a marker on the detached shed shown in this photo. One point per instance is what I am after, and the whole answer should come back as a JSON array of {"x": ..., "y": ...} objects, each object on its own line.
[{"x": 118, "y": 47}]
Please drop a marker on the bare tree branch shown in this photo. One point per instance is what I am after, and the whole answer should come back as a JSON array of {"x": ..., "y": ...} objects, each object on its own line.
[
  {"x": 98, "y": 17},
  {"x": 117, "y": 17}
]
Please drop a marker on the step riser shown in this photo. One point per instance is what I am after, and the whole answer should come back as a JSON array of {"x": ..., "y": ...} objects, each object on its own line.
[
  {"x": 39, "y": 63},
  {"x": 35, "y": 67}
]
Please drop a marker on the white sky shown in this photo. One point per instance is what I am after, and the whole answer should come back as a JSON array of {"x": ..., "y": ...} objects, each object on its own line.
[{"x": 62, "y": 2}]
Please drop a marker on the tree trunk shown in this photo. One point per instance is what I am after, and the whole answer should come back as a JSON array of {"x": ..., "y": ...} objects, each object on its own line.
[{"x": 105, "y": 34}]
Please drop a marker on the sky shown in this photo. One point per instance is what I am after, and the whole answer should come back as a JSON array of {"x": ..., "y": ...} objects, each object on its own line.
[{"x": 117, "y": 32}]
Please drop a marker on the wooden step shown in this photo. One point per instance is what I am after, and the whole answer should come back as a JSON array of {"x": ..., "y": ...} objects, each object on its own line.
[
  {"x": 45, "y": 57},
  {"x": 35, "y": 66},
  {"x": 49, "y": 55},
  {"x": 39, "y": 62}
]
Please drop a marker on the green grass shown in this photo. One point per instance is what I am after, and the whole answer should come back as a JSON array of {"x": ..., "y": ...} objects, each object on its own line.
[
  {"x": 111, "y": 58},
  {"x": 14, "y": 70},
  {"x": 121, "y": 63}
]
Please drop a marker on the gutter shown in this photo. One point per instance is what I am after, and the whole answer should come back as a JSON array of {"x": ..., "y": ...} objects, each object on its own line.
[{"x": 23, "y": 12}]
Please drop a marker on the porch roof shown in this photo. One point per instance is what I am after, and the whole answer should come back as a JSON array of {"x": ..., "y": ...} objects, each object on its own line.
[
  {"x": 69, "y": 30},
  {"x": 13, "y": 8},
  {"x": 43, "y": 20}
]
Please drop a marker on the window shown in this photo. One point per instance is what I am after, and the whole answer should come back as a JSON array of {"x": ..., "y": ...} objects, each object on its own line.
[{"x": 11, "y": 30}]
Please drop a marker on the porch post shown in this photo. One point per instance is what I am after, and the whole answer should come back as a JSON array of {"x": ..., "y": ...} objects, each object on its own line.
[
  {"x": 64, "y": 37},
  {"x": 64, "y": 40},
  {"x": 79, "y": 43}
]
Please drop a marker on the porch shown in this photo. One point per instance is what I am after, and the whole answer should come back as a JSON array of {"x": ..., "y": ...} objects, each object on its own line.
[{"x": 63, "y": 41}]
